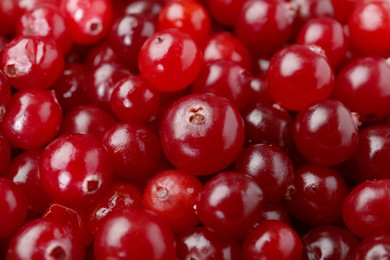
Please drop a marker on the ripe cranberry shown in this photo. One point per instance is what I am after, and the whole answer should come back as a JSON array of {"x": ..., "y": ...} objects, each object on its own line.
[
  {"x": 45, "y": 239},
  {"x": 172, "y": 194},
  {"x": 225, "y": 12},
  {"x": 45, "y": 21},
  {"x": 369, "y": 162},
  {"x": 369, "y": 28},
  {"x": 326, "y": 133},
  {"x": 202, "y": 133},
  {"x": 366, "y": 206},
  {"x": 376, "y": 246},
  {"x": 270, "y": 167},
  {"x": 328, "y": 242},
  {"x": 328, "y": 34},
  {"x": 100, "y": 83},
  {"x": 32, "y": 119},
  {"x": 134, "y": 99},
  {"x": 32, "y": 62},
  {"x": 149, "y": 8},
  {"x": 264, "y": 25},
  {"x": 134, "y": 150},
  {"x": 272, "y": 239},
  {"x": 119, "y": 196},
  {"x": 170, "y": 60},
  {"x": 5, "y": 153},
  {"x": 134, "y": 234},
  {"x": 70, "y": 87},
  {"x": 200, "y": 243},
  {"x": 187, "y": 16},
  {"x": 275, "y": 211},
  {"x": 230, "y": 203},
  {"x": 9, "y": 12},
  {"x": 267, "y": 124},
  {"x": 299, "y": 77},
  {"x": 13, "y": 207},
  {"x": 224, "y": 45},
  {"x": 88, "y": 119},
  {"x": 88, "y": 20},
  {"x": 100, "y": 54},
  {"x": 127, "y": 36},
  {"x": 24, "y": 171},
  {"x": 75, "y": 169},
  {"x": 317, "y": 195},
  {"x": 362, "y": 85}
]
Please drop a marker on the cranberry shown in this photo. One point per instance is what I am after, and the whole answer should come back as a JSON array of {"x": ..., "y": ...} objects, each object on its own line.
[
  {"x": 75, "y": 169},
  {"x": 149, "y": 8},
  {"x": 44, "y": 239},
  {"x": 172, "y": 195},
  {"x": 299, "y": 77},
  {"x": 366, "y": 206},
  {"x": 100, "y": 54},
  {"x": 5, "y": 93},
  {"x": 274, "y": 211},
  {"x": 9, "y": 12},
  {"x": 272, "y": 239},
  {"x": 225, "y": 12},
  {"x": 32, "y": 62},
  {"x": 200, "y": 243},
  {"x": 13, "y": 207},
  {"x": 317, "y": 195},
  {"x": 32, "y": 119},
  {"x": 329, "y": 242},
  {"x": 270, "y": 167},
  {"x": 202, "y": 133},
  {"x": 134, "y": 234},
  {"x": 376, "y": 246},
  {"x": 230, "y": 203},
  {"x": 89, "y": 20},
  {"x": 170, "y": 60}
]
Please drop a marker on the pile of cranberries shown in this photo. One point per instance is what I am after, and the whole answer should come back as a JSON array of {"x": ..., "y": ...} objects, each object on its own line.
[{"x": 194, "y": 129}]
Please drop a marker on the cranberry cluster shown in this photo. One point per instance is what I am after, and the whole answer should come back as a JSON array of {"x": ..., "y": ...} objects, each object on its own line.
[{"x": 183, "y": 129}]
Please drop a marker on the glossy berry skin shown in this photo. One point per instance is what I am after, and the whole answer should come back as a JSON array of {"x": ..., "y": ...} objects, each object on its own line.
[
  {"x": 326, "y": 133},
  {"x": 202, "y": 133},
  {"x": 270, "y": 166},
  {"x": 274, "y": 211},
  {"x": 376, "y": 246},
  {"x": 366, "y": 208},
  {"x": 134, "y": 150},
  {"x": 32, "y": 62},
  {"x": 44, "y": 239},
  {"x": 328, "y": 242},
  {"x": 317, "y": 195},
  {"x": 24, "y": 172},
  {"x": 369, "y": 28},
  {"x": 75, "y": 169},
  {"x": 33, "y": 129},
  {"x": 100, "y": 54},
  {"x": 362, "y": 86},
  {"x": 225, "y": 12},
  {"x": 224, "y": 45},
  {"x": 225, "y": 78},
  {"x": 299, "y": 77},
  {"x": 264, "y": 26},
  {"x": 172, "y": 194},
  {"x": 128, "y": 34},
  {"x": 200, "y": 243},
  {"x": 88, "y": 20},
  {"x": 149, "y": 8},
  {"x": 370, "y": 158},
  {"x": 134, "y": 99},
  {"x": 13, "y": 207},
  {"x": 119, "y": 196},
  {"x": 272, "y": 239},
  {"x": 88, "y": 119},
  {"x": 45, "y": 21},
  {"x": 328, "y": 34},
  {"x": 230, "y": 203},
  {"x": 170, "y": 60},
  {"x": 268, "y": 124},
  {"x": 134, "y": 234}
]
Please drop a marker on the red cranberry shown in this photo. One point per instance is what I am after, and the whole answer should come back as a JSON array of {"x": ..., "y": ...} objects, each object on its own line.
[
  {"x": 9, "y": 12},
  {"x": 376, "y": 246},
  {"x": 75, "y": 169},
  {"x": 170, "y": 60},
  {"x": 32, "y": 119},
  {"x": 225, "y": 12},
  {"x": 172, "y": 195},
  {"x": 272, "y": 239},
  {"x": 134, "y": 234},
  {"x": 230, "y": 204},
  {"x": 5, "y": 93},
  {"x": 149, "y": 8},
  {"x": 100, "y": 54},
  {"x": 275, "y": 211},
  {"x": 202, "y": 133}
]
